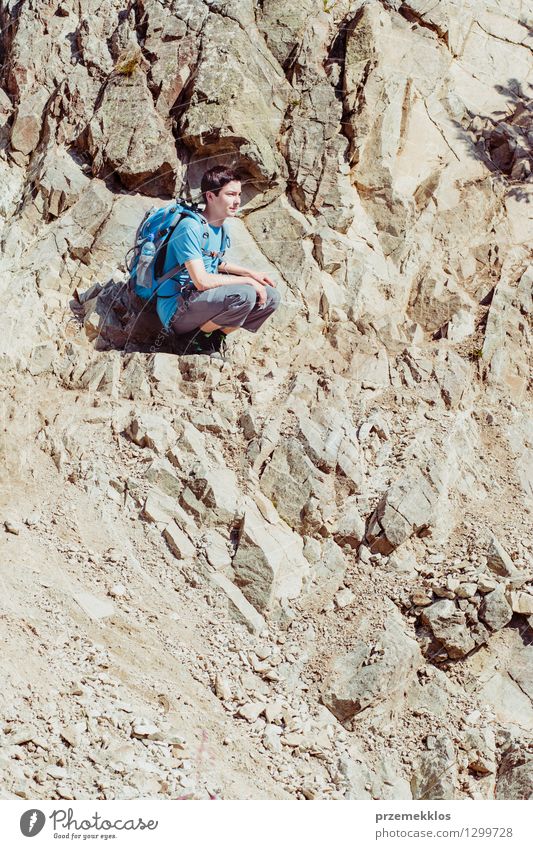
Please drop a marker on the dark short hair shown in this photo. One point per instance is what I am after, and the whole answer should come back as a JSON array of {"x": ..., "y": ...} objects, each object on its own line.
[{"x": 216, "y": 178}]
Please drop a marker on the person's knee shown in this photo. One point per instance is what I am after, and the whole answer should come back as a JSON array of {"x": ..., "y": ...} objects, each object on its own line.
[{"x": 241, "y": 297}]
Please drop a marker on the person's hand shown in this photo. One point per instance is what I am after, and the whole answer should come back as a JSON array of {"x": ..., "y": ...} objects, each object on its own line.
[
  {"x": 260, "y": 289},
  {"x": 263, "y": 278}
]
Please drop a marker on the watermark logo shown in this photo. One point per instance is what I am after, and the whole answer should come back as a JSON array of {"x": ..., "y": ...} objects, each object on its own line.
[{"x": 32, "y": 822}]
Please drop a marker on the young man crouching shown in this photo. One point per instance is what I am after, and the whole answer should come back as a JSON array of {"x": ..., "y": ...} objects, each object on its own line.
[{"x": 219, "y": 297}]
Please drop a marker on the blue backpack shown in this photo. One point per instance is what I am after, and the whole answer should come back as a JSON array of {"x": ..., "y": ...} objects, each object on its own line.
[{"x": 145, "y": 261}]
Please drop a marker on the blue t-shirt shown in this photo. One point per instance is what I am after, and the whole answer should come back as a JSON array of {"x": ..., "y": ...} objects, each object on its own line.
[{"x": 186, "y": 244}]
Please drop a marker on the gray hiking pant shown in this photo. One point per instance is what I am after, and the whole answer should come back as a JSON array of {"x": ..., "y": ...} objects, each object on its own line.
[{"x": 233, "y": 305}]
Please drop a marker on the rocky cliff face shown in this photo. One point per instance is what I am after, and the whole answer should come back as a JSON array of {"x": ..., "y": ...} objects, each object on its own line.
[{"x": 306, "y": 572}]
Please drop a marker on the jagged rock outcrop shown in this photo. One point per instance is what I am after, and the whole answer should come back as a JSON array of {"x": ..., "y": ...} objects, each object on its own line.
[{"x": 328, "y": 536}]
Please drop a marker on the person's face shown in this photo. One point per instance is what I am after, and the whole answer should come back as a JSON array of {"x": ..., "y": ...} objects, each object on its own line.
[{"x": 226, "y": 204}]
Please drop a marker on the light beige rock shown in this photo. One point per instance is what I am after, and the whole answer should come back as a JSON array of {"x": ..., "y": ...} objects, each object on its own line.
[
  {"x": 127, "y": 137},
  {"x": 495, "y": 611},
  {"x": 269, "y": 563},
  {"x": 216, "y": 549},
  {"x": 357, "y": 682},
  {"x": 96, "y": 608},
  {"x": 448, "y": 625},
  {"x": 522, "y": 602},
  {"x": 223, "y": 688},
  {"x": 350, "y": 525},
  {"x": 178, "y": 542},
  {"x": 218, "y": 489},
  {"x": 514, "y": 780},
  {"x": 240, "y": 607},
  {"x": 163, "y": 474},
  {"x": 291, "y": 481},
  {"x": 262, "y": 89},
  {"x": 166, "y": 372},
  {"x": 408, "y": 507},
  {"x": 498, "y": 560},
  {"x": 344, "y": 597},
  {"x": 251, "y": 710},
  {"x": 150, "y": 430},
  {"x": 435, "y": 776}
]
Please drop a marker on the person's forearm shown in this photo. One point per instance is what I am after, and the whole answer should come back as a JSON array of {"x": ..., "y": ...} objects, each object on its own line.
[
  {"x": 230, "y": 268},
  {"x": 211, "y": 281}
]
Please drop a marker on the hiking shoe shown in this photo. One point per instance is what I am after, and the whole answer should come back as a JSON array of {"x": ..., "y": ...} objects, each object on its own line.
[
  {"x": 213, "y": 344},
  {"x": 193, "y": 342},
  {"x": 217, "y": 344}
]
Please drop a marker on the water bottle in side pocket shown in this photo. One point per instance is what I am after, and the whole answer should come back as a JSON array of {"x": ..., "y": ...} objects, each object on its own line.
[{"x": 144, "y": 266}]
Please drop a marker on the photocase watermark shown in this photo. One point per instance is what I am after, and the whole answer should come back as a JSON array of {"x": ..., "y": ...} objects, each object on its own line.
[
  {"x": 66, "y": 827},
  {"x": 32, "y": 822}
]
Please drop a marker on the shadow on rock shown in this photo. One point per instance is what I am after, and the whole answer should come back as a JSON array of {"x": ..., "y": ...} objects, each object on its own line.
[
  {"x": 114, "y": 318},
  {"x": 503, "y": 140}
]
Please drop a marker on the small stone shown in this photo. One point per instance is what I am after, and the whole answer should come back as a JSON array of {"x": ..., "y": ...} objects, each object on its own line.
[
  {"x": 293, "y": 739},
  {"x": 480, "y": 746},
  {"x": 71, "y": 735},
  {"x": 259, "y": 666},
  {"x": 480, "y": 765},
  {"x": 435, "y": 773},
  {"x": 473, "y": 717},
  {"x": 466, "y": 590},
  {"x": 251, "y": 710},
  {"x": 271, "y": 675},
  {"x": 421, "y": 598},
  {"x": 344, "y": 597},
  {"x": 118, "y": 591},
  {"x": 95, "y": 608},
  {"x": 271, "y": 739},
  {"x": 19, "y": 736},
  {"x": 312, "y": 549},
  {"x": 443, "y": 592},
  {"x": 174, "y": 739},
  {"x": 12, "y": 527},
  {"x": 364, "y": 554},
  {"x": 178, "y": 542},
  {"x": 485, "y": 584},
  {"x": 309, "y": 792},
  {"x": 144, "y": 728},
  {"x": 65, "y": 792},
  {"x": 216, "y": 550},
  {"x": 350, "y": 525},
  {"x": 32, "y": 519},
  {"x": 435, "y": 558},
  {"x": 448, "y": 625},
  {"x": 263, "y": 652},
  {"x": 240, "y": 607},
  {"x": 522, "y": 602},
  {"x": 273, "y": 711},
  {"x": 498, "y": 560},
  {"x": 56, "y": 772},
  {"x": 404, "y": 561},
  {"x": 495, "y": 610},
  {"x": 223, "y": 688}
]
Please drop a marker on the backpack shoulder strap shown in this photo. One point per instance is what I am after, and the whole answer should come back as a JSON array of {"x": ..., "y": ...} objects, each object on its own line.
[
  {"x": 225, "y": 243},
  {"x": 162, "y": 253}
]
